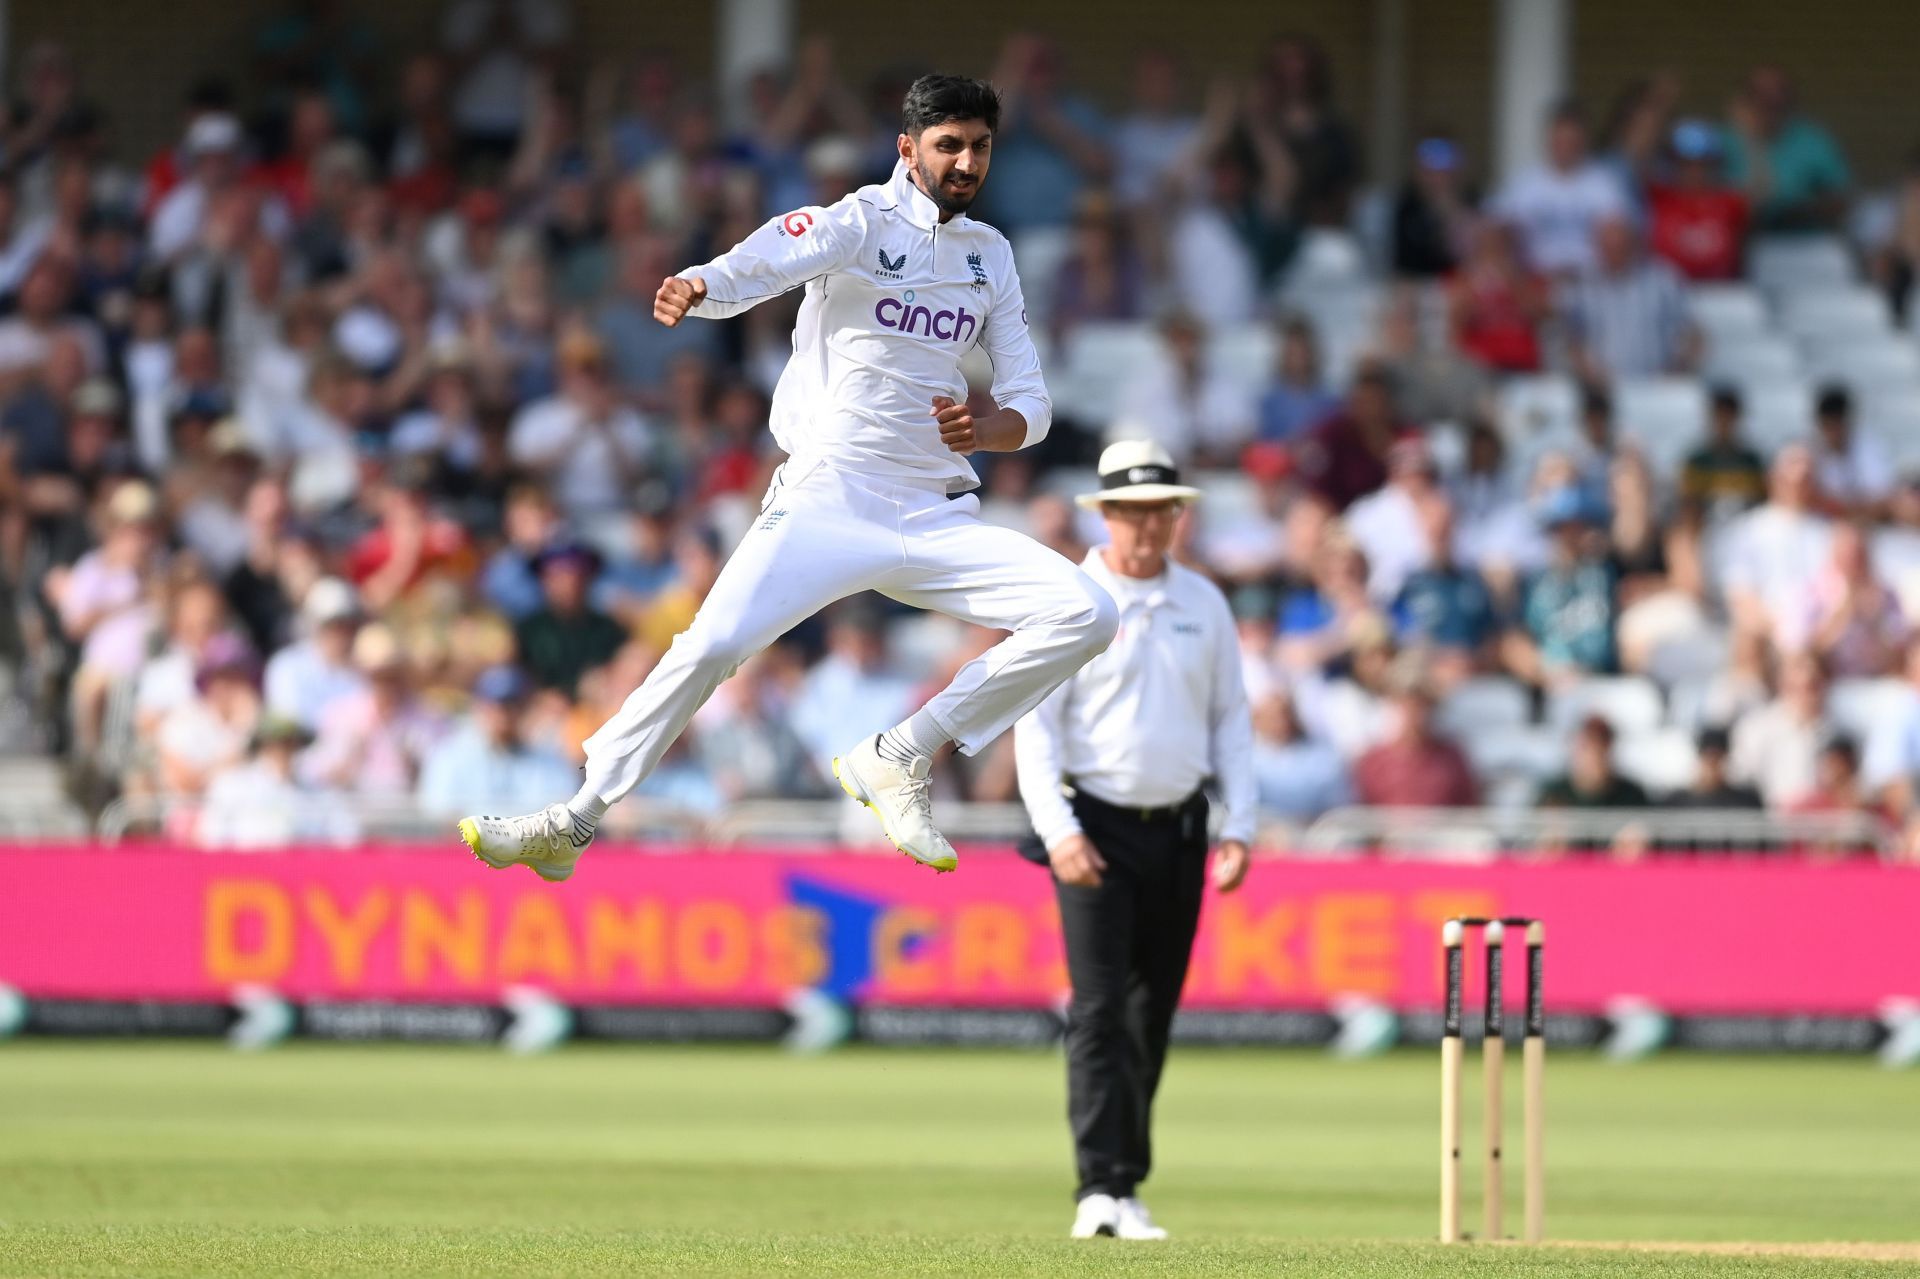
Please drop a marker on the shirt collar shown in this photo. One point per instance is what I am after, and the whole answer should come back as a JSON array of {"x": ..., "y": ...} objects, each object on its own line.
[
  {"x": 1150, "y": 592},
  {"x": 918, "y": 207}
]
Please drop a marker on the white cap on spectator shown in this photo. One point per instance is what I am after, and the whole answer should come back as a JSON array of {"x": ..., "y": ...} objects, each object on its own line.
[
  {"x": 134, "y": 502},
  {"x": 215, "y": 131},
  {"x": 329, "y": 600}
]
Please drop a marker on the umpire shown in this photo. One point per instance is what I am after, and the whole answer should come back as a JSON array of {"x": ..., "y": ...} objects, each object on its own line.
[{"x": 1111, "y": 768}]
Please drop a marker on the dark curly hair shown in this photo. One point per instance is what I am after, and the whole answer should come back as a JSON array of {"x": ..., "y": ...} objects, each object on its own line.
[{"x": 936, "y": 99}]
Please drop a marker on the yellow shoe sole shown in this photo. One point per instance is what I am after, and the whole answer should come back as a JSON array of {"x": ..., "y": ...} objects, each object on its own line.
[
  {"x": 941, "y": 867},
  {"x": 470, "y": 836}
]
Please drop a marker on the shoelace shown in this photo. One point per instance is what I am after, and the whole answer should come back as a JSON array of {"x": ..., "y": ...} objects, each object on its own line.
[{"x": 919, "y": 794}]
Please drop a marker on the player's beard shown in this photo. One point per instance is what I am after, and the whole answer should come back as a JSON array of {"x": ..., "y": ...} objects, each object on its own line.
[{"x": 947, "y": 200}]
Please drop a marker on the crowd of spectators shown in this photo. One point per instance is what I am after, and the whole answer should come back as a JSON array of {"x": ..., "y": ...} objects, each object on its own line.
[{"x": 341, "y": 463}]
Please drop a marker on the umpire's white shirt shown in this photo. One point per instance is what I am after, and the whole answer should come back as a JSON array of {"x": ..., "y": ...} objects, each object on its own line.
[
  {"x": 1147, "y": 721},
  {"x": 894, "y": 299}
]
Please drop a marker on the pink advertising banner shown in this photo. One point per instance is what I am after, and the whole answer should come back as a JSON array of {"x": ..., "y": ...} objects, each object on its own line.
[{"x": 750, "y": 927}]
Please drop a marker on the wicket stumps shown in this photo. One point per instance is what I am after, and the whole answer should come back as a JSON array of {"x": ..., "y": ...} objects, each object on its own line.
[{"x": 1493, "y": 1059}]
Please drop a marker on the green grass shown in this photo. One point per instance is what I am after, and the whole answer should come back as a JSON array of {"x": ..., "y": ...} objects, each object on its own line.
[{"x": 177, "y": 1159}]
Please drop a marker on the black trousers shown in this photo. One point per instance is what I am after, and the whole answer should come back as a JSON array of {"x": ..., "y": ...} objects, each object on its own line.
[{"x": 1127, "y": 942}]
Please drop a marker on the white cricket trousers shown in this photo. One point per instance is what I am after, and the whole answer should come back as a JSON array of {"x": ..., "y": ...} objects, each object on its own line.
[{"x": 823, "y": 534}]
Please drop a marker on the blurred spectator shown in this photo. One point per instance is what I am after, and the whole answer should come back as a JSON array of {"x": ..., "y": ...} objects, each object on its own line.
[
  {"x": 373, "y": 741},
  {"x": 744, "y": 741},
  {"x": 1568, "y": 609},
  {"x": 1344, "y": 458},
  {"x": 1154, "y": 136},
  {"x": 103, "y": 606},
  {"x": 1235, "y": 229},
  {"x": 1293, "y": 96},
  {"x": 1443, "y": 610},
  {"x": 1496, "y": 304},
  {"x": 1790, "y": 166},
  {"x": 1297, "y": 777},
  {"x": 1771, "y": 555},
  {"x": 566, "y": 636},
  {"x": 1433, "y": 216},
  {"x": 260, "y": 802},
  {"x": 632, "y": 579},
  {"x": 1892, "y": 765},
  {"x": 1590, "y": 780},
  {"x": 485, "y": 764},
  {"x": 1852, "y": 470},
  {"x": 1697, "y": 222},
  {"x": 211, "y": 730},
  {"x": 1742, "y": 684},
  {"x": 1886, "y": 226},
  {"x": 1776, "y": 747},
  {"x": 1854, "y": 624},
  {"x": 258, "y": 587},
  {"x": 591, "y": 448},
  {"x": 213, "y": 149},
  {"x": 1298, "y": 398},
  {"x": 1725, "y": 476},
  {"x": 497, "y": 49},
  {"x": 1710, "y": 787},
  {"x": 1184, "y": 401},
  {"x": 530, "y": 526},
  {"x": 1556, "y": 205},
  {"x": 1256, "y": 627},
  {"x": 1049, "y": 147},
  {"x": 411, "y": 543},
  {"x": 1836, "y": 786},
  {"x": 1638, "y": 120},
  {"x": 444, "y": 432},
  {"x": 1626, "y": 314},
  {"x": 309, "y": 677},
  {"x": 43, "y": 321},
  {"x": 1321, "y": 620},
  {"x": 1102, "y": 278},
  {"x": 1387, "y": 524},
  {"x": 1496, "y": 531},
  {"x": 670, "y": 610},
  {"x": 1416, "y": 767},
  {"x": 21, "y": 241},
  {"x": 854, "y": 690},
  {"x": 1433, "y": 382},
  {"x": 196, "y": 616}
]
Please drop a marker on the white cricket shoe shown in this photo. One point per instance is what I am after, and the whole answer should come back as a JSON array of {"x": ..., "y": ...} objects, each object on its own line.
[
  {"x": 542, "y": 840},
  {"x": 901, "y": 798},
  {"x": 1134, "y": 1221},
  {"x": 1096, "y": 1215}
]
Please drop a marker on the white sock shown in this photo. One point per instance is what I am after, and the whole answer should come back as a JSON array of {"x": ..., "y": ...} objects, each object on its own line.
[
  {"x": 917, "y": 736},
  {"x": 586, "y": 809}
]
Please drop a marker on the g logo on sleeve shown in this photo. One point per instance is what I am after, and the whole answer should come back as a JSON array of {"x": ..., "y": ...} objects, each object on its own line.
[{"x": 796, "y": 223}]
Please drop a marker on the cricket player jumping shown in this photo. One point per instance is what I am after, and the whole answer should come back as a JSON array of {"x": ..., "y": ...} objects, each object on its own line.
[{"x": 876, "y": 490}]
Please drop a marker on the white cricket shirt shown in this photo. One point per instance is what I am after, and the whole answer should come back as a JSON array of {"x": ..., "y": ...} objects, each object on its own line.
[
  {"x": 1150, "y": 719},
  {"x": 894, "y": 299}
]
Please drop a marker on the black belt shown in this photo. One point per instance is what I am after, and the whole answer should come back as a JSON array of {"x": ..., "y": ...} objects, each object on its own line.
[{"x": 1141, "y": 813}]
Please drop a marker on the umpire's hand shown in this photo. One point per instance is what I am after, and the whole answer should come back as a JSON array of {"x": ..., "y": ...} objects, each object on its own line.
[
  {"x": 1229, "y": 865},
  {"x": 1076, "y": 861}
]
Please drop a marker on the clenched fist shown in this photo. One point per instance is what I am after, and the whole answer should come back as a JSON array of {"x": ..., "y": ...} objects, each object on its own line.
[
  {"x": 677, "y": 296},
  {"x": 955, "y": 421}
]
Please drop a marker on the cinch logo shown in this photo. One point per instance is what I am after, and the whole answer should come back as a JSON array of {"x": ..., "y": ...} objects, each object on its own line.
[{"x": 949, "y": 326}]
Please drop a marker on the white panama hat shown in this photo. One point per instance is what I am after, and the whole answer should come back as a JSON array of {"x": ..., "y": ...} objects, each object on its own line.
[{"x": 1137, "y": 471}]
